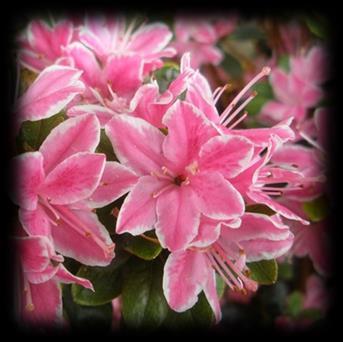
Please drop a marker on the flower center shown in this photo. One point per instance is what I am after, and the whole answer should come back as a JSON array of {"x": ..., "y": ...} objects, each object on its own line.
[{"x": 180, "y": 179}]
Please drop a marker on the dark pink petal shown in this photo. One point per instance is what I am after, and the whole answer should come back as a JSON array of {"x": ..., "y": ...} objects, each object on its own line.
[
  {"x": 228, "y": 155},
  {"x": 208, "y": 233},
  {"x": 138, "y": 213},
  {"x": 262, "y": 249},
  {"x": 210, "y": 291},
  {"x": 177, "y": 218},
  {"x": 103, "y": 114},
  {"x": 79, "y": 134},
  {"x": 85, "y": 60},
  {"x": 75, "y": 178},
  {"x": 261, "y": 136},
  {"x": 64, "y": 276},
  {"x": 34, "y": 253},
  {"x": 51, "y": 91},
  {"x": 62, "y": 35},
  {"x": 35, "y": 222},
  {"x": 185, "y": 273},
  {"x": 280, "y": 83},
  {"x": 28, "y": 168},
  {"x": 116, "y": 181},
  {"x": 188, "y": 130},
  {"x": 216, "y": 197},
  {"x": 80, "y": 235},
  {"x": 39, "y": 37},
  {"x": 150, "y": 38},
  {"x": 124, "y": 74},
  {"x": 274, "y": 205},
  {"x": 47, "y": 304},
  {"x": 137, "y": 144},
  {"x": 274, "y": 111}
]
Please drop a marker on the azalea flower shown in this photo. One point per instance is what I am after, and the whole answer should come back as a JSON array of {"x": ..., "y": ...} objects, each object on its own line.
[
  {"x": 298, "y": 90},
  {"x": 181, "y": 175},
  {"x": 41, "y": 273},
  {"x": 54, "y": 88},
  {"x": 42, "y": 45},
  {"x": 198, "y": 36},
  {"x": 147, "y": 102},
  {"x": 187, "y": 273},
  {"x": 56, "y": 182}
]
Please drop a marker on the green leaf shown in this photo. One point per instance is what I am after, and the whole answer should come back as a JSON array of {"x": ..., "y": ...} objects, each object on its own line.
[
  {"x": 260, "y": 209},
  {"x": 220, "y": 285},
  {"x": 264, "y": 272},
  {"x": 317, "y": 210},
  {"x": 165, "y": 75},
  {"x": 86, "y": 317},
  {"x": 33, "y": 133},
  {"x": 285, "y": 271},
  {"x": 232, "y": 66},
  {"x": 199, "y": 316},
  {"x": 264, "y": 94},
  {"x": 107, "y": 282},
  {"x": 247, "y": 32},
  {"x": 105, "y": 147},
  {"x": 143, "y": 301},
  {"x": 141, "y": 247},
  {"x": 294, "y": 304},
  {"x": 318, "y": 25},
  {"x": 284, "y": 62}
]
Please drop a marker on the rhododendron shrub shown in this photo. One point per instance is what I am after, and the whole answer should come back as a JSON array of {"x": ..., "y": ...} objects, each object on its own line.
[{"x": 146, "y": 197}]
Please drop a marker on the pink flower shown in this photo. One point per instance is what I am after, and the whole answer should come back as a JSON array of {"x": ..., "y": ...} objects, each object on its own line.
[
  {"x": 199, "y": 36},
  {"x": 181, "y": 175},
  {"x": 187, "y": 273},
  {"x": 112, "y": 37},
  {"x": 42, "y": 45},
  {"x": 147, "y": 102},
  {"x": 298, "y": 90},
  {"x": 52, "y": 90},
  {"x": 41, "y": 272},
  {"x": 57, "y": 185}
]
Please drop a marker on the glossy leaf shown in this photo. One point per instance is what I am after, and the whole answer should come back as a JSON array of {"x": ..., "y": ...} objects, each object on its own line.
[
  {"x": 265, "y": 272},
  {"x": 141, "y": 247},
  {"x": 317, "y": 209}
]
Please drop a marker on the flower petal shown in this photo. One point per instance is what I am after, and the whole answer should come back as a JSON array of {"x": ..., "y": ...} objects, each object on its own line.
[
  {"x": 124, "y": 74},
  {"x": 75, "y": 178},
  {"x": 79, "y": 134},
  {"x": 137, "y": 214},
  {"x": 185, "y": 272},
  {"x": 136, "y": 143},
  {"x": 216, "y": 197},
  {"x": 51, "y": 91},
  {"x": 208, "y": 233},
  {"x": 228, "y": 155},
  {"x": 64, "y": 276},
  {"x": 80, "y": 235},
  {"x": 30, "y": 175},
  {"x": 116, "y": 180},
  {"x": 150, "y": 38},
  {"x": 188, "y": 130},
  {"x": 35, "y": 222},
  {"x": 177, "y": 218}
]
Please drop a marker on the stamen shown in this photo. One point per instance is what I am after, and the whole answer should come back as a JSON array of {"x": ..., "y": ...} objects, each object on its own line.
[
  {"x": 245, "y": 114},
  {"x": 264, "y": 72},
  {"x": 29, "y": 303},
  {"x": 311, "y": 141},
  {"x": 238, "y": 110},
  {"x": 220, "y": 93},
  {"x": 46, "y": 203}
]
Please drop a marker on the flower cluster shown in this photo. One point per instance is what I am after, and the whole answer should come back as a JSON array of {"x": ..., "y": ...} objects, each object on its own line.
[{"x": 179, "y": 170}]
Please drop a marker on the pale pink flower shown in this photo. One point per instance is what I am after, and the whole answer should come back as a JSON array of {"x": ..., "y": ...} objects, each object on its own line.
[
  {"x": 57, "y": 184},
  {"x": 108, "y": 37},
  {"x": 298, "y": 90},
  {"x": 40, "y": 274},
  {"x": 198, "y": 36},
  {"x": 54, "y": 88},
  {"x": 181, "y": 175},
  {"x": 147, "y": 102},
  {"x": 227, "y": 249},
  {"x": 42, "y": 45}
]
